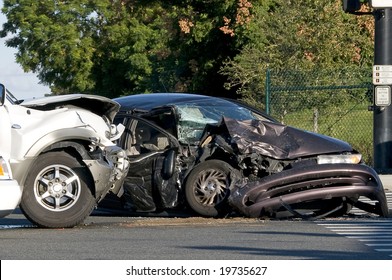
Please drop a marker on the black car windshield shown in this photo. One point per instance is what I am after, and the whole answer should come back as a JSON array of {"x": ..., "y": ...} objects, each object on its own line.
[{"x": 193, "y": 117}]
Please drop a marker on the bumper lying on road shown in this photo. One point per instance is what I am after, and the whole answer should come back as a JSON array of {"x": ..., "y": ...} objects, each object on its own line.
[{"x": 321, "y": 186}]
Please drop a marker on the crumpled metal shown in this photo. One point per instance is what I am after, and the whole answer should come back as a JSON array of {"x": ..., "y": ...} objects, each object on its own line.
[{"x": 279, "y": 141}]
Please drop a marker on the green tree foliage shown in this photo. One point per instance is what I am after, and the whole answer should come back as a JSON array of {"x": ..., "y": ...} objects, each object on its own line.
[
  {"x": 53, "y": 39},
  {"x": 123, "y": 46},
  {"x": 119, "y": 47},
  {"x": 210, "y": 32},
  {"x": 307, "y": 35},
  {"x": 86, "y": 46}
]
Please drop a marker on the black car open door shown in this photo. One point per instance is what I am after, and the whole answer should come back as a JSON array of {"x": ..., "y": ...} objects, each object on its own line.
[{"x": 151, "y": 183}]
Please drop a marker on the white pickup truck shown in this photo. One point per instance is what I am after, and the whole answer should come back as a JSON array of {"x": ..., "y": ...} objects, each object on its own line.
[{"x": 61, "y": 152}]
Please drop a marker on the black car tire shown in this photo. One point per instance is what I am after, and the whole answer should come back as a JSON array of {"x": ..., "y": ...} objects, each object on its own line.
[
  {"x": 56, "y": 193},
  {"x": 207, "y": 188}
]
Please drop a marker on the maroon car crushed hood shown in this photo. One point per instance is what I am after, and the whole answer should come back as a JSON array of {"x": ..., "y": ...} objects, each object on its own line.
[
  {"x": 279, "y": 141},
  {"x": 298, "y": 184}
]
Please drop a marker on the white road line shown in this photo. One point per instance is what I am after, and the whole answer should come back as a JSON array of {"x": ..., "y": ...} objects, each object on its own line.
[
  {"x": 367, "y": 200},
  {"x": 359, "y": 233},
  {"x": 388, "y": 236},
  {"x": 374, "y": 234},
  {"x": 384, "y": 250},
  {"x": 364, "y": 224},
  {"x": 375, "y": 240},
  {"x": 363, "y": 230},
  {"x": 16, "y": 226}
]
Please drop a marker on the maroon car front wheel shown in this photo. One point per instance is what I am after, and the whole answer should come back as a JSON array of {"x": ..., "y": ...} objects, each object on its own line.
[{"x": 207, "y": 188}]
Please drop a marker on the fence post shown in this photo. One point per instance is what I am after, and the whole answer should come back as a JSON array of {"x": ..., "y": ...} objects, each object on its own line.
[
  {"x": 267, "y": 91},
  {"x": 315, "y": 119}
]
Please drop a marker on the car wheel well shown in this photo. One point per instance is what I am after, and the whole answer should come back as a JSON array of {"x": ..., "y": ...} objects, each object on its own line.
[
  {"x": 76, "y": 149},
  {"x": 223, "y": 157}
]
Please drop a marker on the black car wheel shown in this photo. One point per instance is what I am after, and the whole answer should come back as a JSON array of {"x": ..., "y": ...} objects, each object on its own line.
[
  {"x": 56, "y": 192},
  {"x": 207, "y": 188}
]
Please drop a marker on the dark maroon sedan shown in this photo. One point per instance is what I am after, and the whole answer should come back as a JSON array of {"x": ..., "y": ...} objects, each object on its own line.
[{"x": 215, "y": 155}]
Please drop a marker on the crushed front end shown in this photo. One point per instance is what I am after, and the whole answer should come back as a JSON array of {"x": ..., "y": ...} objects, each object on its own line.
[
  {"x": 312, "y": 192},
  {"x": 109, "y": 168},
  {"x": 291, "y": 172}
]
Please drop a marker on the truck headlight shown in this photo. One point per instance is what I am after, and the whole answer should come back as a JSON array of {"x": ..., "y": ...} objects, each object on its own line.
[
  {"x": 5, "y": 173},
  {"x": 333, "y": 159}
]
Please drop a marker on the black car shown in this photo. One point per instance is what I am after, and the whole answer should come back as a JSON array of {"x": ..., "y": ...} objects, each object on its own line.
[{"x": 216, "y": 155}]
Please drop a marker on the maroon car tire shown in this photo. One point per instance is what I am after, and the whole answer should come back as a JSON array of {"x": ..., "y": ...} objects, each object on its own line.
[{"x": 207, "y": 188}]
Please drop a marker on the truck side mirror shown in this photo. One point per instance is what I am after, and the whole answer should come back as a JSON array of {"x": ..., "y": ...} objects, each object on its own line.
[{"x": 351, "y": 6}]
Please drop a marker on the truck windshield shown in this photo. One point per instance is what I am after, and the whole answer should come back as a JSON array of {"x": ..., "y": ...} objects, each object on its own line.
[{"x": 11, "y": 98}]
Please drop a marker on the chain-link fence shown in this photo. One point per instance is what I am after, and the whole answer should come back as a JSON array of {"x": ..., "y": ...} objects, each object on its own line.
[{"x": 334, "y": 103}]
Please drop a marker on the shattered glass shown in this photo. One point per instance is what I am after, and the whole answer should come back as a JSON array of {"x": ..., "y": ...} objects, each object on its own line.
[{"x": 191, "y": 123}]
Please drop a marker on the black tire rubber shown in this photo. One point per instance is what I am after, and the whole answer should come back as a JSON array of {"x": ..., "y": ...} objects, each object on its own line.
[
  {"x": 207, "y": 188},
  {"x": 56, "y": 192}
]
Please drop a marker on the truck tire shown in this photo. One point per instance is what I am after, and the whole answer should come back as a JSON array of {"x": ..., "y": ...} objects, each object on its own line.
[{"x": 57, "y": 191}]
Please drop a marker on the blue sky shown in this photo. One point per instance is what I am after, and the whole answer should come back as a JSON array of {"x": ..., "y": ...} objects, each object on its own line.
[{"x": 22, "y": 85}]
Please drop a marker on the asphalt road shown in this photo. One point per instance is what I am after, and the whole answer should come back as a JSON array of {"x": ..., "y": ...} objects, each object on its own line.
[{"x": 106, "y": 236}]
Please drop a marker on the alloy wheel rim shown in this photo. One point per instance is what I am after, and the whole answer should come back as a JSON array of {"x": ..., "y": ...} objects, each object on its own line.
[{"x": 57, "y": 188}]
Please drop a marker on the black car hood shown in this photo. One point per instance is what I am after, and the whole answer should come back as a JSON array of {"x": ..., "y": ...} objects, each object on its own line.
[{"x": 279, "y": 141}]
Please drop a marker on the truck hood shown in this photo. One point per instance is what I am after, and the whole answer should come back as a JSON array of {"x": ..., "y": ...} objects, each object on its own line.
[
  {"x": 99, "y": 105},
  {"x": 280, "y": 141}
]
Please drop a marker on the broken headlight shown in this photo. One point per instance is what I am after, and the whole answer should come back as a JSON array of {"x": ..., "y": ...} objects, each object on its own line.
[
  {"x": 333, "y": 159},
  {"x": 5, "y": 173}
]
